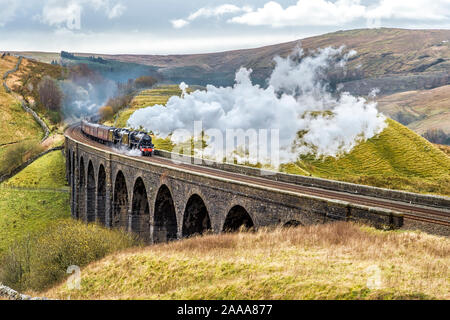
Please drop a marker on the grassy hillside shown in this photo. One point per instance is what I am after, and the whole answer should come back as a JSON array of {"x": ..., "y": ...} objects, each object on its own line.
[
  {"x": 380, "y": 52},
  {"x": 46, "y": 172},
  {"x": 18, "y": 127},
  {"x": 397, "y": 158},
  {"x": 37, "y": 239},
  {"x": 25, "y": 82},
  {"x": 333, "y": 261},
  {"x": 419, "y": 110},
  {"x": 23, "y": 211},
  {"x": 46, "y": 57},
  {"x": 444, "y": 148}
]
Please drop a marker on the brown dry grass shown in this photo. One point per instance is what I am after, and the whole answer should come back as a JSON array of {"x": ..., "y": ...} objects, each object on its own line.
[
  {"x": 17, "y": 125},
  {"x": 444, "y": 148},
  {"x": 332, "y": 261},
  {"x": 403, "y": 51},
  {"x": 431, "y": 108}
]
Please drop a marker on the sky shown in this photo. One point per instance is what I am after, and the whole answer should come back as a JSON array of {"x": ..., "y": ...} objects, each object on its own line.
[{"x": 198, "y": 26}]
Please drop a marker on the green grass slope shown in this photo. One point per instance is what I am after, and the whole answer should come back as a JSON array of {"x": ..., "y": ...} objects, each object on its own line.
[
  {"x": 19, "y": 130},
  {"x": 332, "y": 261},
  {"x": 17, "y": 125},
  {"x": 46, "y": 172},
  {"x": 38, "y": 239},
  {"x": 397, "y": 158},
  {"x": 21, "y": 135},
  {"x": 23, "y": 211}
]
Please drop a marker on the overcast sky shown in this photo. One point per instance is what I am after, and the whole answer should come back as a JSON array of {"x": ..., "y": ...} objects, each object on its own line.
[{"x": 174, "y": 26}]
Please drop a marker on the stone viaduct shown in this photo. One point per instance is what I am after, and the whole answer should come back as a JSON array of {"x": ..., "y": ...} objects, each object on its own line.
[{"x": 162, "y": 203}]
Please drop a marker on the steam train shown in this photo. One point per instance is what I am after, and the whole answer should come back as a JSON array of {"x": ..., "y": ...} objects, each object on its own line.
[{"x": 119, "y": 137}]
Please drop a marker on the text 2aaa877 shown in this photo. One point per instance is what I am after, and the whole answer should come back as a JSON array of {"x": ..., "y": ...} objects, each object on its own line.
[
  {"x": 225, "y": 310},
  {"x": 246, "y": 309}
]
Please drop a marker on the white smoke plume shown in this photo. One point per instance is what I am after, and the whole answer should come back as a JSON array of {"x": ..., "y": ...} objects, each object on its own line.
[
  {"x": 82, "y": 100},
  {"x": 297, "y": 102}
]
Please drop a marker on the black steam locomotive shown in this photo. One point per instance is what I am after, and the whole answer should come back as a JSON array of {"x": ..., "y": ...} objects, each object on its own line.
[{"x": 119, "y": 137}]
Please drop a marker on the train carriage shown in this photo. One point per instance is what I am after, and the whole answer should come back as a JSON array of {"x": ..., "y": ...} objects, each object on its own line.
[
  {"x": 119, "y": 136},
  {"x": 103, "y": 133}
]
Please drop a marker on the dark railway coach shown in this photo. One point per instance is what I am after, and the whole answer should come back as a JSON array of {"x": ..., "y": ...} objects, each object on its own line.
[{"x": 119, "y": 137}]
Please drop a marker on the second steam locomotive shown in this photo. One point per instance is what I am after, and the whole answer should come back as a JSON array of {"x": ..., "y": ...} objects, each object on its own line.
[{"x": 119, "y": 137}]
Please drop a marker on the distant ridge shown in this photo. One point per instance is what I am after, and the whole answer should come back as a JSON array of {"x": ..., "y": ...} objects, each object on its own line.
[{"x": 381, "y": 52}]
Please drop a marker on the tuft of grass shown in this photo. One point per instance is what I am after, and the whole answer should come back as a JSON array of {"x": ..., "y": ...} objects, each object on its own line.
[
  {"x": 332, "y": 261},
  {"x": 38, "y": 175}
]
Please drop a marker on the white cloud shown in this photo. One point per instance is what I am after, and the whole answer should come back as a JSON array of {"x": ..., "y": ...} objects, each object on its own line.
[
  {"x": 8, "y": 11},
  {"x": 413, "y": 10},
  {"x": 179, "y": 23},
  {"x": 217, "y": 11},
  {"x": 116, "y": 11},
  {"x": 208, "y": 13},
  {"x": 304, "y": 12},
  {"x": 329, "y": 13},
  {"x": 67, "y": 14}
]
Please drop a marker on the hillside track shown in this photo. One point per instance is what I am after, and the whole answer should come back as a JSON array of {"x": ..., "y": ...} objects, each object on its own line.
[{"x": 415, "y": 213}]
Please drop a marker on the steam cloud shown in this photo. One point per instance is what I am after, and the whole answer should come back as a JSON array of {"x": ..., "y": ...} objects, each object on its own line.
[
  {"x": 84, "y": 97},
  {"x": 297, "y": 102}
]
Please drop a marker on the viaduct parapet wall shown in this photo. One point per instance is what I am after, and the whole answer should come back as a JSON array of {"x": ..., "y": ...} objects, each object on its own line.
[{"x": 395, "y": 195}]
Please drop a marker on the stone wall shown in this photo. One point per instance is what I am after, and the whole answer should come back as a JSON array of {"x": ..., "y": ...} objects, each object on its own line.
[{"x": 10, "y": 294}]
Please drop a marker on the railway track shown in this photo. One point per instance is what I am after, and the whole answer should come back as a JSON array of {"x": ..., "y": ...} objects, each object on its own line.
[{"x": 415, "y": 213}]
